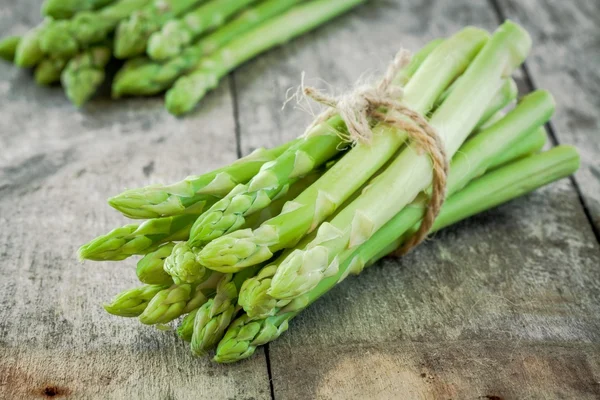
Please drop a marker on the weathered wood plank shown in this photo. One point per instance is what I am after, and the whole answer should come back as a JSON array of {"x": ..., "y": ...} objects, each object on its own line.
[
  {"x": 503, "y": 305},
  {"x": 494, "y": 370},
  {"x": 565, "y": 59},
  {"x": 57, "y": 167},
  {"x": 507, "y": 303}
]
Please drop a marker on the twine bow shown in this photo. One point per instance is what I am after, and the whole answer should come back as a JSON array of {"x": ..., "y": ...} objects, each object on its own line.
[{"x": 363, "y": 105}]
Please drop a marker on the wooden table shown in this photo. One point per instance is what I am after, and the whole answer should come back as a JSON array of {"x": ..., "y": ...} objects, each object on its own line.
[{"x": 503, "y": 306}]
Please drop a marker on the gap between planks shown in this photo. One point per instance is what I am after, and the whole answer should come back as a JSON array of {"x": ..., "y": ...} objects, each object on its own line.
[{"x": 238, "y": 146}]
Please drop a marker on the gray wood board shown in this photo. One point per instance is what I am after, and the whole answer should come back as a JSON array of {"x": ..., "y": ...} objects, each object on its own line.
[{"x": 564, "y": 59}]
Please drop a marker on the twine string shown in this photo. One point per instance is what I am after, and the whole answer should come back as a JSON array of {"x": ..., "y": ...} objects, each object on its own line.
[{"x": 363, "y": 106}]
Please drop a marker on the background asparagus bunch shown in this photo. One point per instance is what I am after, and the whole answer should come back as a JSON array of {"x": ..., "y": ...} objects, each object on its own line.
[
  {"x": 240, "y": 251},
  {"x": 187, "y": 45}
]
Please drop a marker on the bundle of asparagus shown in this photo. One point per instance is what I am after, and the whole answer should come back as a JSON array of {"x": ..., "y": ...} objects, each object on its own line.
[
  {"x": 242, "y": 250},
  {"x": 191, "y": 44}
]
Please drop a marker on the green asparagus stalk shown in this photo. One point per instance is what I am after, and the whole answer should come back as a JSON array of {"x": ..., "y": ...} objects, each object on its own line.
[
  {"x": 476, "y": 156},
  {"x": 8, "y": 47},
  {"x": 62, "y": 9},
  {"x": 506, "y": 95},
  {"x": 492, "y": 120},
  {"x": 191, "y": 88},
  {"x": 128, "y": 240},
  {"x": 179, "y": 299},
  {"x": 132, "y": 302},
  {"x": 492, "y": 189},
  {"x": 185, "y": 330},
  {"x": 410, "y": 173},
  {"x": 150, "y": 269},
  {"x": 193, "y": 194},
  {"x": 66, "y": 38},
  {"x": 530, "y": 144},
  {"x": 179, "y": 33},
  {"x": 142, "y": 77},
  {"x": 133, "y": 33},
  {"x": 406, "y": 73},
  {"x": 213, "y": 318},
  {"x": 48, "y": 71},
  {"x": 244, "y": 248},
  {"x": 244, "y": 335},
  {"x": 28, "y": 52},
  {"x": 85, "y": 73}
]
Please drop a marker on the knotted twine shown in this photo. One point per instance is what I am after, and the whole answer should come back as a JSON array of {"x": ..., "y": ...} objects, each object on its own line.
[{"x": 362, "y": 105}]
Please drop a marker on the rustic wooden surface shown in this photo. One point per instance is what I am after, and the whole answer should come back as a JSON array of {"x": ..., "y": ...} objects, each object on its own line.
[{"x": 505, "y": 305}]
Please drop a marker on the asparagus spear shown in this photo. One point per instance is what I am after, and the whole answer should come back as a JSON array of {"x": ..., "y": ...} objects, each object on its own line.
[
  {"x": 133, "y": 33},
  {"x": 85, "y": 73},
  {"x": 244, "y": 335},
  {"x": 492, "y": 120},
  {"x": 28, "y": 52},
  {"x": 476, "y": 156},
  {"x": 244, "y": 248},
  {"x": 179, "y": 33},
  {"x": 48, "y": 70},
  {"x": 185, "y": 330},
  {"x": 67, "y": 38},
  {"x": 192, "y": 194},
  {"x": 62, "y": 9},
  {"x": 132, "y": 239},
  {"x": 410, "y": 173},
  {"x": 492, "y": 189},
  {"x": 8, "y": 47},
  {"x": 213, "y": 318},
  {"x": 189, "y": 89},
  {"x": 141, "y": 77},
  {"x": 530, "y": 144},
  {"x": 507, "y": 94},
  {"x": 417, "y": 60},
  {"x": 132, "y": 302},
  {"x": 150, "y": 269},
  {"x": 179, "y": 299}
]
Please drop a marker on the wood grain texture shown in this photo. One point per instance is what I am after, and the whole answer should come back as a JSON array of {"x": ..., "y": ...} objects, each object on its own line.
[
  {"x": 502, "y": 305},
  {"x": 481, "y": 369},
  {"x": 57, "y": 167},
  {"x": 564, "y": 59}
]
